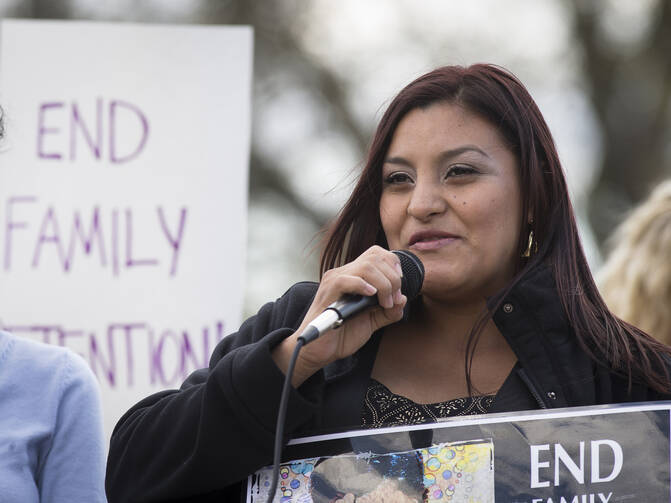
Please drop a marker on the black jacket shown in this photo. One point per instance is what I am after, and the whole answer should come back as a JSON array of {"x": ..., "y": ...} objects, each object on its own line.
[{"x": 199, "y": 443}]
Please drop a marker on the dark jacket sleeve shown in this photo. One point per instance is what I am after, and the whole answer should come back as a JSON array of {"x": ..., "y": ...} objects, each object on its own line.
[{"x": 219, "y": 426}]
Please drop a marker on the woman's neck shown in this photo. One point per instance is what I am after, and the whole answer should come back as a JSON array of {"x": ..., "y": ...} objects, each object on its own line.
[
  {"x": 425, "y": 359},
  {"x": 450, "y": 324}
]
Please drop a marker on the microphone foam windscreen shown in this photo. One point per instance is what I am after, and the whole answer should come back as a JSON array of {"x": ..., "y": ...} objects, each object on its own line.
[{"x": 413, "y": 273}]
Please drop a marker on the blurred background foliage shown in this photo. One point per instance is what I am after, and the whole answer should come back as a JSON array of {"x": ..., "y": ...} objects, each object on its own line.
[{"x": 323, "y": 72}]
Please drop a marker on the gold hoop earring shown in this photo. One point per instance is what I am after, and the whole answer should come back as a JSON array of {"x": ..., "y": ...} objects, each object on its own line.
[{"x": 530, "y": 246}]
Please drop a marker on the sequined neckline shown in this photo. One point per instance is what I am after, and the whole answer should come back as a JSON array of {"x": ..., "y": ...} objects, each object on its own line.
[{"x": 382, "y": 407}]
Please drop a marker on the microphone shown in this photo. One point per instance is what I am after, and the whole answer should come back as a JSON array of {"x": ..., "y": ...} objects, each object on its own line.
[{"x": 351, "y": 305}]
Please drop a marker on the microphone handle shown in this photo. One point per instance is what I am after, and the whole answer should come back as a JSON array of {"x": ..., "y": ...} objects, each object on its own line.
[
  {"x": 334, "y": 315},
  {"x": 349, "y": 305}
]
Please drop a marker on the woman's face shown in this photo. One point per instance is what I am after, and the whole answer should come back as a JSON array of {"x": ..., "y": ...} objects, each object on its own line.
[{"x": 451, "y": 195}]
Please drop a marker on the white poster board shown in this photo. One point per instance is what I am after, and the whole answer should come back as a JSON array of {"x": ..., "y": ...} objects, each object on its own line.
[{"x": 123, "y": 194}]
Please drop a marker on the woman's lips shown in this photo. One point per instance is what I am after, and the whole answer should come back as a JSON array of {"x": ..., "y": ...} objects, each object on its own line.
[{"x": 430, "y": 240}]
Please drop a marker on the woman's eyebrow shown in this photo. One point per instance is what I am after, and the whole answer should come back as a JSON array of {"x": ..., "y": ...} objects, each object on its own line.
[
  {"x": 401, "y": 161},
  {"x": 446, "y": 155},
  {"x": 449, "y": 154}
]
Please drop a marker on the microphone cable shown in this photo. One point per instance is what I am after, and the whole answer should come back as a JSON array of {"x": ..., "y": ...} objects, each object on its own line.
[{"x": 281, "y": 416}]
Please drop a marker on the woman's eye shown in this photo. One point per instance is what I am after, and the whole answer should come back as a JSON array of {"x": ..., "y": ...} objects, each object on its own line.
[
  {"x": 397, "y": 178},
  {"x": 460, "y": 170}
]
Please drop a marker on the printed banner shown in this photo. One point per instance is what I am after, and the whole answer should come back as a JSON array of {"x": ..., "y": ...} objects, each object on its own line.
[
  {"x": 123, "y": 194},
  {"x": 580, "y": 455}
]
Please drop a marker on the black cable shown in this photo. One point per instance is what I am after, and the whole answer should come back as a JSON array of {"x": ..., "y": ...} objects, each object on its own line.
[{"x": 282, "y": 413}]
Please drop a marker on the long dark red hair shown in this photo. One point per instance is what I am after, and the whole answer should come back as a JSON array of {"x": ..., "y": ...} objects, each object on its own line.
[{"x": 496, "y": 95}]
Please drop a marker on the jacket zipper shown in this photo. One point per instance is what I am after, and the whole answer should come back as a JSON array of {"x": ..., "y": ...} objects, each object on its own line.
[{"x": 532, "y": 389}]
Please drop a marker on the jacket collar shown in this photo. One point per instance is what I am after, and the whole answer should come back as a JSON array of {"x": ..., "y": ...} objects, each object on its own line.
[{"x": 532, "y": 319}]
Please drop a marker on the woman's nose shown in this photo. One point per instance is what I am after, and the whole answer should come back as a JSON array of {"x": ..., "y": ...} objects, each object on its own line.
[{"x": 426, "y": 200}]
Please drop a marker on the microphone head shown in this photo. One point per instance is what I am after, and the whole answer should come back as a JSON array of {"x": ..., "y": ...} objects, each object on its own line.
[{"x": 413, "y": 273}]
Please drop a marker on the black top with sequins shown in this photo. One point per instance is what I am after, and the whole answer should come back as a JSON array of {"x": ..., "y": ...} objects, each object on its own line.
[{"x": 382, "y": 407}]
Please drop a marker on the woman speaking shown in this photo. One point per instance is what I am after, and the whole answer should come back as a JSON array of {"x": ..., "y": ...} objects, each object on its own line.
[{"x": 462, "y": 172}]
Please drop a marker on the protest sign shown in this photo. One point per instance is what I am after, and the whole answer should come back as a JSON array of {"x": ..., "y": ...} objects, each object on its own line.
[
  {"x": 123, "y": 194},
  {"x": 602, "y": 454}
]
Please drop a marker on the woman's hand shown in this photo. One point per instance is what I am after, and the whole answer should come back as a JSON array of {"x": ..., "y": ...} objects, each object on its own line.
[{"x": 375, "y": 272}]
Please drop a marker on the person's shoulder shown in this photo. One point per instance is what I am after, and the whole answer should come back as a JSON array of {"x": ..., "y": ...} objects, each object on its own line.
[
  {"x": 298, "y": 298},
  {"x": 7, "y": 342},
  {"x": 288, "y": 309},
  {"x": 41, "y": 362},
  {"x": 301, "y": 290},
  {"x": 25, "y": 348}
]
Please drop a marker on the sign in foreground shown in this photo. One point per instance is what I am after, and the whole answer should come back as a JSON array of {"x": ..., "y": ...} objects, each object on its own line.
[{"x": 601, "y": 454}]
